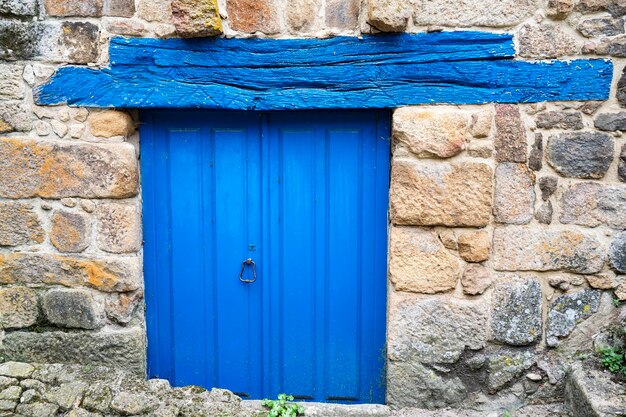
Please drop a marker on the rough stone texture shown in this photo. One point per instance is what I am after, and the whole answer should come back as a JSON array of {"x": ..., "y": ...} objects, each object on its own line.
[
  {"x": 545, "y": 41},
  {"x": 580, "y": 155},
  {"x": 481, "y": 123},
  {"x": 73, "y": 309},
  {"x": 126, "y": 27},
  {"x": 506, "y": 366},
  {"x": 196, "y": 18},
  {"x": 389, "y": 15},
  {"x": 560, "y": 120},
  {"x": 79, "y": 42},
  {"x": 613, "y": 46},
  {"x": 593, "y": 204},
  {"x": 31, "y": 168},
  {"x": 432, "y": 132},
  {"x": 614, "y": 7},
  {"x": 605, "y": 281},
  {"x": 118, "y": 227},
  {"x": 544, "y": 213},
  {"x": 70, "y": 231},
  {"x": 474, "y": 246},
  {"x": 16, "y": 369},
  {"x": 617, "y": 253},
  {"x": 18, "y": 308},
  {"x": 155, "y": 10},
  {"x": 591, "y": 392},
  {"x": 120, "y": 308},
  {"x": 592, "y": 28},
  {"x": 123, "y": 349},
  {"x": 457, "y": 194},
  {"x": 503, "y": 13},
  {"x": 621, "y": 89},
  {"x": 74, "y": 8},
  {"x": 535, "y": 159},
  {"x": 516, "y": 313},
  {"x": 119, "y": 8},
  {"x": 19, "y": 224},
  {"x": 510, "y": 140},
  {"x": 18, "y": 7},
  {"x": 253, "y": 16},
  {"x": 621, "y": 167},
  {"x": 418, "y": 262},
  {"x": 433, "y": 330},
  {"x": 110, "y": 123},
  {"x": 559, "y": 9},
  {"x": 567, "y": 310},
  {"x": 519, "y": 248},
  {"x": 14, "y": 117},
  {"x": 414, "y": 385},
  {"x": 342, "y": 14},
  {"x": 514, "y": 196},
  {"x": 11, "y": 87},
  {"x": 548, "y": 185},
  {"x": 111, "y": 275},
  {"x": 476, "y": 279},
  {"x": 611, "y": 121},
  {"x": 302, "y": 14}
]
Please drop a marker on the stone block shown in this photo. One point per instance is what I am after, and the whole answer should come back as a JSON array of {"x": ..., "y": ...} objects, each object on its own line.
[
  {"x": 580, "y": 155},
  {"x": 73, "y": 8},
  {"x": 524, "y": 248},
  {"x": 23, "y": 8},
  {"x": 617, "y": 253},
  {"x": 621, "y": 89},
  {"x": 548, "y": 185},
  {"x": 15, "y": 117},
  {"x": 604, "y": 281},
  {"x": 447, "y": 194},
  {"x": 11, "y": 86},
  {"x": 18, "y": 308},
  {"x": 544, "y": 213},
  {"x": 124, "y": 349},
  {"x": 436, "y": 132},
  {"x": 254, "y": 16},
  {"x": 560, "y": 9},
  {"x": 126, "y": 27},
  {"x": 154, "y": 10},
  {"x": 567, "y": 310},
  {"x": 72, "y": 308},
  {"x": 39, "y": 409},
  {"x": 592, "y": 392},
  {"x": 476, "y": 279},
  {"x": 14, "y": 369},
  {"x": 128, "y": 403},
  {"x": 19, "y": 224},
  {"x": 121, "y": 307},
  {"x": 514, "y": 196},
  {"x": 592, "y": 28},
  {"x": 118, "y": 227},
  {"x": 302, "y": 15},
  {"x": 516, "y": 315},
  {"x": 560, "y": 120},
  {"x": 67, "y": 395},
  {"x": 505, "y": 13},
  {"x": 389, "y": 15},
  {"x": 119, "y": 8},
  {"x": 107, "y": 275},
  {"x": 434, "y": 330},
  {"x": 593, "y": 204},
  {"x": 615, "y": 7},
  {"x": 70, "y": 231},
  {"x": 613, "y": 46},
  {"x": 504, "y": 367},
  {"x": 545, "y": 41},
  {"x": 110, "y": 123},
  {"x": 342, "y": 14},
  {"x": 194, "y": 18},
  {"x": 535, "y": 159},
  {"x": 418, "y": 262},
  {"x": 474, "y": 246},
  {"x": 611, "y": 122},
  {"x": 510, "y": 141},
  {"x": 481, "y": 123},
  {"x": 31, "y": 168}
]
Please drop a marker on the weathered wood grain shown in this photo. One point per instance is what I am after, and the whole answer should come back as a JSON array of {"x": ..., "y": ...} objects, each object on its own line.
[{"x": 373, "y": 72}]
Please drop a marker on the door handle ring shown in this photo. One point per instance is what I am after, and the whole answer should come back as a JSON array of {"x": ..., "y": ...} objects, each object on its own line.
[{"x": 248, "y": 261}]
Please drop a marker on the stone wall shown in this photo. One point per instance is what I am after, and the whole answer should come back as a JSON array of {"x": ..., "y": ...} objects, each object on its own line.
[{"x": 507, "y": 242}]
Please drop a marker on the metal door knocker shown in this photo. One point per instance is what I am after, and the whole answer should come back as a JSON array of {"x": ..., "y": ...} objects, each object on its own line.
[{"x": 248, "y": 261}]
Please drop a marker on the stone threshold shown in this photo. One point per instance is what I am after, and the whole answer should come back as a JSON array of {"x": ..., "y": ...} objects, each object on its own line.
[{"x": 314, "y": 409}]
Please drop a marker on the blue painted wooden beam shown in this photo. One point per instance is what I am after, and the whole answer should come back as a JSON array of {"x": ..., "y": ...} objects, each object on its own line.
[{"x": 374, "y": 72}]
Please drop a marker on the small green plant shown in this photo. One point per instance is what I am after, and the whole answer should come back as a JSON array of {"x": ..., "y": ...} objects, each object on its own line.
[
  {"x": 616, "y": 302},
  {"x": 507, "y": 413},
  {"x": 282, "y": 407},
  {"x": 613, "y": 359}
]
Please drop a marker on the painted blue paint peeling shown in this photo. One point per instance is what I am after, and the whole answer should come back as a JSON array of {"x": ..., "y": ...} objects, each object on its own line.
[{"x": 384, "y": 71}]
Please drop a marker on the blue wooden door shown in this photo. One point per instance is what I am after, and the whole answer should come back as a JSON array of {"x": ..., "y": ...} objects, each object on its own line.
[{"x": 304, "y": 196}]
